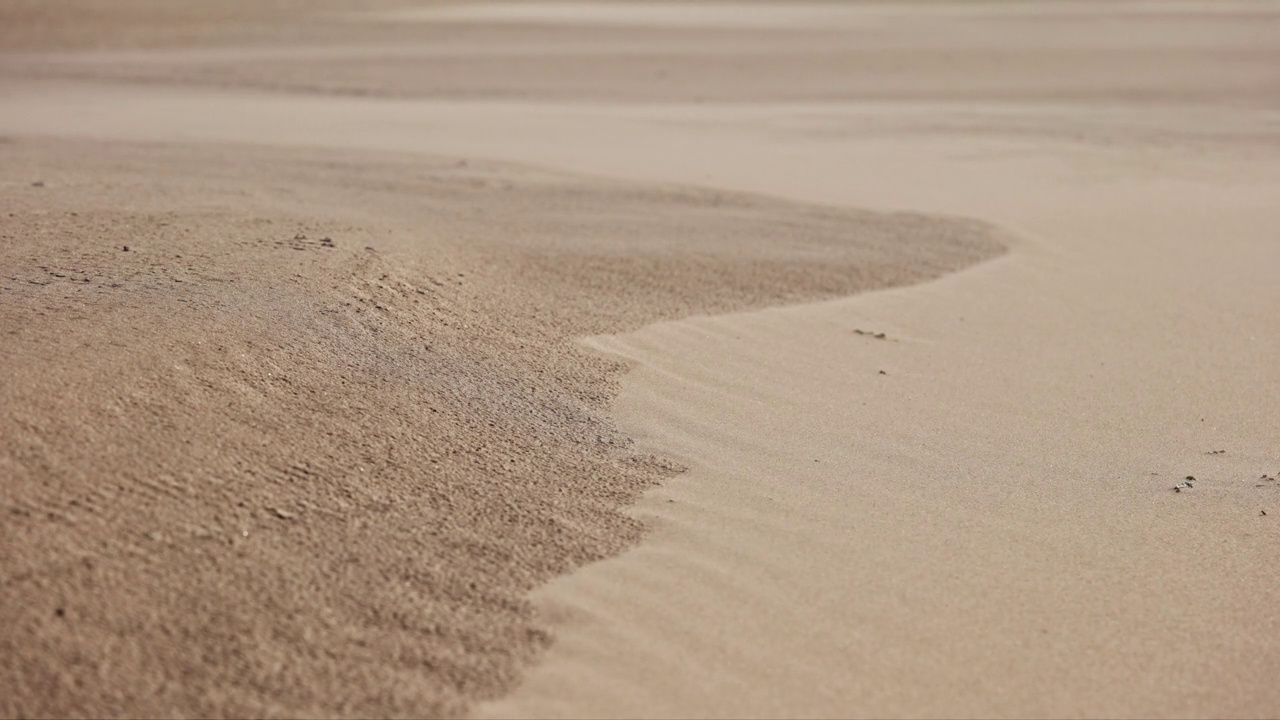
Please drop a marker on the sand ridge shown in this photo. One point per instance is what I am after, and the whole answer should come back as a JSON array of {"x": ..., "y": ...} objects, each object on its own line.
[{"x": 304, "y": 446}]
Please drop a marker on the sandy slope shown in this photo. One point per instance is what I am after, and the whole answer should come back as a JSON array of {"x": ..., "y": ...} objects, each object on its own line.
[
  {"x": 412, "y": 440},
  {"x": 304, "y": 446}
]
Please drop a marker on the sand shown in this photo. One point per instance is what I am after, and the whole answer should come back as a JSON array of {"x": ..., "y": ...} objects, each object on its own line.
[
  {"x": 974, "y": 515},
  {"x": 308, "y": 445}
]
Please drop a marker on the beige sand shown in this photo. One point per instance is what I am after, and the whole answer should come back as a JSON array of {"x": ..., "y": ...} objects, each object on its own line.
[
  {"x": 305, "y": 445},
  {"x": 989, "y": 527},
  {"x": 411, "y": 440}
]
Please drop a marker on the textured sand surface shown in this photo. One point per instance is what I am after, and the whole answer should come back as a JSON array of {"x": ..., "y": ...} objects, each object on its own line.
[
  {"x": 251, "y": 470},
  {"x": 304, "y": 446}
]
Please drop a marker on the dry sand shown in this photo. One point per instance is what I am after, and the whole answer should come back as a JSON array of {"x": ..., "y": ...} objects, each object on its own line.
[
  {"x": 973, "y": 515},
  {"x": 306, "y": 447}
]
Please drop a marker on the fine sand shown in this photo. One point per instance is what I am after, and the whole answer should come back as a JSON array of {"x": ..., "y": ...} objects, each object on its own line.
[{"x": 419, "y": 299}]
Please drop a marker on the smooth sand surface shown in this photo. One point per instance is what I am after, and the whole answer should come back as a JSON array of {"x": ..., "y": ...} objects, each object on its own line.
[
  {"x": 330, "y": 488},
  {"x": 989, "y": 527}
]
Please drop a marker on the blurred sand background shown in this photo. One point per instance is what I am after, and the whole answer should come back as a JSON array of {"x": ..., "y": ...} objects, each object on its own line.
[{"x": 310, "y": 443}]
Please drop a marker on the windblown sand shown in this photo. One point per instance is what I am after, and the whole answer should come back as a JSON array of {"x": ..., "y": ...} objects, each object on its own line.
[
  {"x": 304, "y": 446},
  {"x": 326, "y": 438}
]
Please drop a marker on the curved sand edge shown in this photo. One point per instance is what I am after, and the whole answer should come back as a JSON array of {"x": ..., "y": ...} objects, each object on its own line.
[
  {"x": 306, "y": 445},
  {"x": 1163, "y": 113},
  {"x": 975, "y": 514}
]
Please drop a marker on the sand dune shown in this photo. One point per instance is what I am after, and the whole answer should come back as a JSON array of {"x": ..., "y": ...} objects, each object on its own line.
[{"x": 309, "y": 444}]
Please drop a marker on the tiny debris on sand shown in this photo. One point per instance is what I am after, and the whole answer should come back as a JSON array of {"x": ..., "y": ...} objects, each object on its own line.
[{"x": 876, "y": 335}]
